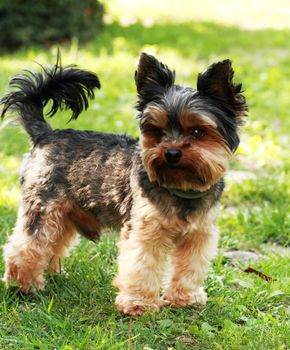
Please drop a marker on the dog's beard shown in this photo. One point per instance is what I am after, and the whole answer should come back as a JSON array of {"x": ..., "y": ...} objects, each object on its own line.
[{"x": 198, "y": 169}]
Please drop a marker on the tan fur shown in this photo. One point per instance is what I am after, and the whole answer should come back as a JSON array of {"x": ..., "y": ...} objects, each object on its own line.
[
  {"x": 205, "y": 158},
  {"x": 147, "y": 239},
  {"x": 189, "y": 263},
  {"x": 189, "y": 119},
  {"x": 84, "y": 181},
  {"x": 28, "y": 255},
  {"x": 156, "y": 115},
  {"x": 143, "y": 252},
  {"x": 62, "y": 247}
]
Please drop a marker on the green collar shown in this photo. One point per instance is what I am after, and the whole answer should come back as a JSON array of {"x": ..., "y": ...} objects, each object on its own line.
[{"x": 189, "y": 194}]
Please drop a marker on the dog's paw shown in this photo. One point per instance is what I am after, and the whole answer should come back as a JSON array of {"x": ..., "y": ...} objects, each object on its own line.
[
  {"x": 135, "y": 305},
  {"x": 198, "y": 297},
  {"x": 179, "y": 299},
  {"x": 24, "y": 278}
]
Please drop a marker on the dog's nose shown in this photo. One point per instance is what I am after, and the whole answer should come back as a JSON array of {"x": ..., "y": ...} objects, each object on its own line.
[{"x": 173, "y": 155}]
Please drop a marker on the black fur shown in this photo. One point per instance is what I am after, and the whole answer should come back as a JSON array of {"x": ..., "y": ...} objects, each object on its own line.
[
  {"x": 153, "y": 79},
  {"x": 83, "y": 181},
  {"x": 67, "y": 88},
  {"x": 217, "y": 82},
  {"x": 162, "y": 198},
  {"x": 216, "y": 95},
  {"x": 94, "y": 170}
]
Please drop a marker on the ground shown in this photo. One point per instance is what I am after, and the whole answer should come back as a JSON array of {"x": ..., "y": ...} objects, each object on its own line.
[{"x": 244, "y": 311}]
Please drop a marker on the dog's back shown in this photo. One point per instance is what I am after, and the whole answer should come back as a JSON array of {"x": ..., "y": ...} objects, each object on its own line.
[{"x": 89, "y": 171}]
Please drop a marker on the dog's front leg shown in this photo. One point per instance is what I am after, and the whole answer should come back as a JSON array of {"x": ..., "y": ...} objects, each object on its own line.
[
  {"x": 189, "y": 264},
  {"x": 141, "y": 264}
]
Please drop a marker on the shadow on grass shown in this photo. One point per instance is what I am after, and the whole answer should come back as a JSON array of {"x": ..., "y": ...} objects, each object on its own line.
[{"x": 198, "y": 39}]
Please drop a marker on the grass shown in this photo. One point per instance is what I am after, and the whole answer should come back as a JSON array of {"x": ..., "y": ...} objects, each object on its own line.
[{"x": 243, "y": 312}]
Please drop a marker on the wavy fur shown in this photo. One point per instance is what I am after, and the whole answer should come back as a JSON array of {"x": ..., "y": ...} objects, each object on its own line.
[{"x": 67, "y": 88}]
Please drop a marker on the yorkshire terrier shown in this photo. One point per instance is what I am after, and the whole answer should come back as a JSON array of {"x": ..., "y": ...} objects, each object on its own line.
[{"x": 161, "y": 190}]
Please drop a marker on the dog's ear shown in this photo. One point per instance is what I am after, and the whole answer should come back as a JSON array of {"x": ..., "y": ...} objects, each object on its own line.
[
  {"x": 152, "y": 79},
  {"x": 217, "y": 81}
]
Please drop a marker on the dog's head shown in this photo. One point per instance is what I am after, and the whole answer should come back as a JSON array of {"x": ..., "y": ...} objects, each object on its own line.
[{"x": 187, "y": 135}]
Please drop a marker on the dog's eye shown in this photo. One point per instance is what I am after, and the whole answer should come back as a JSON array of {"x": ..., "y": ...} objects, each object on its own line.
[
  {"x": 197, "y": 133},
  {"x": 153, "y": 129},
  {"x": 158, "y": 131}
]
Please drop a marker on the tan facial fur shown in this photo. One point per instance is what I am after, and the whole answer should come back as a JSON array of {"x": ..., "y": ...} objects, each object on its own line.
[{"x": 203, "y": 162}]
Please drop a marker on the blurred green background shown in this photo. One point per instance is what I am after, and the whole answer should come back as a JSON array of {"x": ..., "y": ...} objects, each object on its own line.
[{"x": 187, "y": 35}]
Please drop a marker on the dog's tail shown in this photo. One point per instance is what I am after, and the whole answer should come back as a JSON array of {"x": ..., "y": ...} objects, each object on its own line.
[{"x": 67, "y": 88}]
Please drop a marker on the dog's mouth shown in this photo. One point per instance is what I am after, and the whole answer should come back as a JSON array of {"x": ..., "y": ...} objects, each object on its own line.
[
  {"x": 178, "y": 177},
  {"x": 197, "y": 171}
]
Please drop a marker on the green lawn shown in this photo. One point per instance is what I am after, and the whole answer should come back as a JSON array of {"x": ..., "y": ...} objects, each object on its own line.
[{"x": 244, "y": 311}]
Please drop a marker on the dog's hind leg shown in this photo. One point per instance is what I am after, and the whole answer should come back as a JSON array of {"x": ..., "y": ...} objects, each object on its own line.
[
  {"x": 40, "y": 237},
  {"x": 61, "y": 248}
]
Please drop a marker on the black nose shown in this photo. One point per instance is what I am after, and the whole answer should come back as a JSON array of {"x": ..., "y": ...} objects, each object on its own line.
[{"x": 173, "y": 155}]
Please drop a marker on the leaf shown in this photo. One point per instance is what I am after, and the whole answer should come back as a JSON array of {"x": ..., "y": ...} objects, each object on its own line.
[{"x": 259, "y": 273}]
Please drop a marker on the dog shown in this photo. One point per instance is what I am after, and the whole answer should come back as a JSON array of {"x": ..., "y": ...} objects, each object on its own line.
[{"x": 161, "y": 190}]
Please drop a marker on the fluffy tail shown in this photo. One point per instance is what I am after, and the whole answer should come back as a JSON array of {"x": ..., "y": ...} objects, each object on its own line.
[{"x": 67, "y": 88}]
